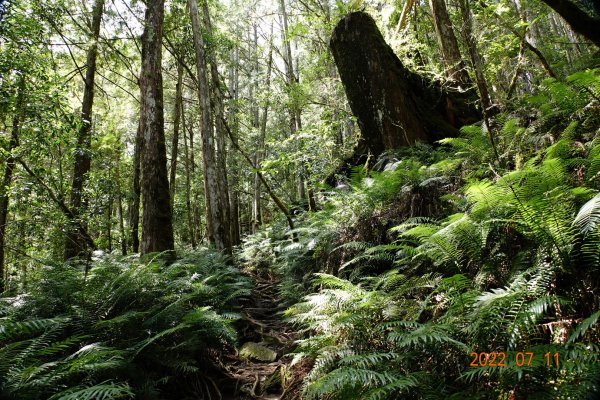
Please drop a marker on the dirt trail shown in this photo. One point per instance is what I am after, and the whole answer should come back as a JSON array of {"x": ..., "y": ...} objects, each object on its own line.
[{"x": 261, "y": 368}]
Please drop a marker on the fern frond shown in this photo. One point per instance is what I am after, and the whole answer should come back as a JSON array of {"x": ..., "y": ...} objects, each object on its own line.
[
  {"x": 584, "y": 326},
  {"x": 588, "y": 217},
  {"x": 102, "y": 391}
]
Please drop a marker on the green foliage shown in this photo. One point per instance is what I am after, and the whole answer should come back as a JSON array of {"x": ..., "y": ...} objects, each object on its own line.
[
  {"x": 421, "y": 257},
  {"x": 125, "y": 330},
  {"x": 507, "y": 267},
  {"x": 588, "y": 216}
]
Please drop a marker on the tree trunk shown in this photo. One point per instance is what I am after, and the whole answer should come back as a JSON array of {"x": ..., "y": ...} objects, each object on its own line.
[
  {"x": 289, "y": 66},
  {"x": 294, "y": 112},
  {"x": 581, "y": 22},
  {"x": 486, "y": 101},
  {"x": 394, "y": 106},
  {"x": 254, "y": 78},
  {"x": 134, "y": 211},
  {"x": 7, "y": 179},
  {"x": 484, "y": 94},
  {"x": 515, "y": 77},
  {"x": 218, "y": 232},
  {"x": 220, "y": 135},
  {"x": 188, "y": 184},
  {"x": 235, "y": 221},
  {"x": 176, "y": 119},
  {"x": 403, "y": 20},
  {"x": 109, "y": 212},
  {"x": 157, "y": 225},
  {"x": 453, "y": 62},
  {"x": 260, "y": 147},
  {"x": 75, "y": 246},
  {"x": 194, "y": 196},
  {"x": 122, "y": 234}
]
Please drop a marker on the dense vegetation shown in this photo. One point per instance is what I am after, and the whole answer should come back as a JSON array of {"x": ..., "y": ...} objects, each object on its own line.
[{"x": 185, "y": 211}]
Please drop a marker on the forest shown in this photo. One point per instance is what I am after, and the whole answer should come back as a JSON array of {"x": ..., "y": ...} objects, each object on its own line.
[{"x": 299, "y": 199}]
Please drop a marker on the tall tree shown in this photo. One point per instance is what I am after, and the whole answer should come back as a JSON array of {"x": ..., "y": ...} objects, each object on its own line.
[
  {"x": 8, "y": 174},
  {"x": 482, "y": 86},
  {"x": 234, "y": 75},
  {"x": 294, "y": 111},
  {"x": 157, "y": 225},
  {"x": 453, "y": 62},
  {"x": 176, "y": 119},
  {"x": 188, "y": 180},
  {"x": 220, "y": 135},
  {"x": 218, "y": 231},
  {"x": 74, "y": 243},
  {"x": 289, "y": 63},
  {"x": 119, "y": 189},
  {"x": 260, "y": 148},
  {"x": 136, "y": 190}
]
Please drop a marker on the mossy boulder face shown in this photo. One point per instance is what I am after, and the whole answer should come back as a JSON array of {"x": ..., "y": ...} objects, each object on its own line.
[
  {"x": 256, "y": 351},
  {"x": 394, "y": 106}
]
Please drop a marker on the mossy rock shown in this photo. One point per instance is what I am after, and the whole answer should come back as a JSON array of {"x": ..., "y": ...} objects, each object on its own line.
[{"x": 258, "y": 352}]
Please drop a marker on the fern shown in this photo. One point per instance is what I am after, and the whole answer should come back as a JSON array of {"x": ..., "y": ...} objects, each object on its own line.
[
  {"x": 584, "y": 326},
  {"x": 588, "y": 216},
  {"x": 142, "y": 325},
  {"x": 102, "y": 391}
]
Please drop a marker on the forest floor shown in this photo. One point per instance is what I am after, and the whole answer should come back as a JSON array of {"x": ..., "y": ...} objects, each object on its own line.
[{"x": 261, "y": 368}]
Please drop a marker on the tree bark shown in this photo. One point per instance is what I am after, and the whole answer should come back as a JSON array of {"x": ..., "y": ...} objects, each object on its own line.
[
  {"x": 188, "y": 185},
  {"x": 218, "y": 232},
  {"x": 484, "y": 94},
  {"x": 7, "y": 178},
  {"x": 486, "y": 101},
  {"x": 289, "y": 66},
  {"x": 176, "y": 119},
  {"x": 580, "y": 21},
  {"x": 122, "y": 234},
  {"x": 453, "y": 62},
  {"x": 134, "y": 211},
  {"x": 252, "y": 87},
  {"x": 157, "y": 225},
  {"x": 109, "y": 212},
  {"x": 403, "y": 20},
  {"x": 235, "y": 221},
  {"x": 74, "y": 245},
  {"x": 394, "y": 106},
  {"x": 260, "y": 148},
  {"x": 220, "y": 135}
]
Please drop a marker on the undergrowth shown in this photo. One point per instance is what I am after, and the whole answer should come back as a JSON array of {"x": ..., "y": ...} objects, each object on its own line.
[
  {"x": 439, "y": 252},
  {"x": 123, "y": 330}
]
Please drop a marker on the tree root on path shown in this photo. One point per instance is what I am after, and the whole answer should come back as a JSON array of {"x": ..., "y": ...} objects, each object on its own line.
[{"x": 263, "y": 328}]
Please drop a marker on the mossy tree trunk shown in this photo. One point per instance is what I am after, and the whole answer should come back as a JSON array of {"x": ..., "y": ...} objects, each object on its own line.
[{"x": 394, "y": 106}]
